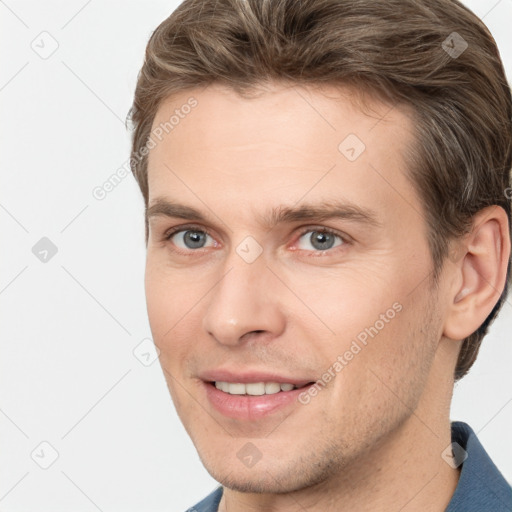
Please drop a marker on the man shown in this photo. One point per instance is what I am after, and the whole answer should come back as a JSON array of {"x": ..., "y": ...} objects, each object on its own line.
[{"x": 328, "y": 239}]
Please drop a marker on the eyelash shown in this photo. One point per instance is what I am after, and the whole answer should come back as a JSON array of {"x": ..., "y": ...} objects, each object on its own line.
[{"x": 320, "y": 229}]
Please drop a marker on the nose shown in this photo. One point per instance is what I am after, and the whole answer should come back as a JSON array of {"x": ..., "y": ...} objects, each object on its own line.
[{"x": 244, "y": 303}]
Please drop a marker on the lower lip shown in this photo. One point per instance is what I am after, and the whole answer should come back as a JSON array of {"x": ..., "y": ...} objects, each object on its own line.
[{"x": 250, "y": 407}]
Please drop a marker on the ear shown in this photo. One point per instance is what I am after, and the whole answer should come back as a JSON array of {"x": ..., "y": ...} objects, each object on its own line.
[{"x": 480, "y": 272}]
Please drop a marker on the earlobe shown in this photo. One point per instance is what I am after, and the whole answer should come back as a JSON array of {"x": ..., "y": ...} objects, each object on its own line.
[{"x": 481, "y": 273}]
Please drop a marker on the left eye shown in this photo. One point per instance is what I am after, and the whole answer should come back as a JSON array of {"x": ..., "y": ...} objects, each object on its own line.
[{"x": 319, "y": 240}]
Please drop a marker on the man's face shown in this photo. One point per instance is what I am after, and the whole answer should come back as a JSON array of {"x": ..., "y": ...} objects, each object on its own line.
[{"x": 265, "y": 289}]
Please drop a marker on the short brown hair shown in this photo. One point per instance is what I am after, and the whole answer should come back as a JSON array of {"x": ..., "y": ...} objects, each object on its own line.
[{"x": 435, "y": 56}]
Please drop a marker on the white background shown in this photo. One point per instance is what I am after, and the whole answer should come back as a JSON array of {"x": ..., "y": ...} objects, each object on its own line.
[{"x": 68, "y": 373}]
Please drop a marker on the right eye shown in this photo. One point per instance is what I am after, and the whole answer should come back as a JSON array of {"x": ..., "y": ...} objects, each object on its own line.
[{"x": 188, "y": 238}]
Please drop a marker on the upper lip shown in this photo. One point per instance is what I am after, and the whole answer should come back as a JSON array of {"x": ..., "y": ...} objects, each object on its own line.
[{"x": 249, "y": 376}]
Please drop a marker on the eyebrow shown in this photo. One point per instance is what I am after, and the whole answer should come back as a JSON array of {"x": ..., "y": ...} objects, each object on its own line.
[{"x": 282, "y": 214}]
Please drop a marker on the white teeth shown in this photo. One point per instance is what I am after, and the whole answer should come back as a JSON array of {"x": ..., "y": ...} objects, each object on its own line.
[
  {"x": 272, "y": 387},
  {"x": 223, "y": 386},
  {"x": 236, "y": 389},
  {"x": 253, "y": 388}
]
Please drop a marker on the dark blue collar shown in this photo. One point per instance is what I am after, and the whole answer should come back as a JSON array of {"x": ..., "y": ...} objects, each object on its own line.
[{"x": 481, "y": 486}]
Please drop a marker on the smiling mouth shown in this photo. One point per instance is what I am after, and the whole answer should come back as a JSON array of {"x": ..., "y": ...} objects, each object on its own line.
[{"x": 255, "y": 388}]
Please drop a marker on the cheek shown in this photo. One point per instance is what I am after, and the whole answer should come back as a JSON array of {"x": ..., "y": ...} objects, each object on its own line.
[
  {"x": 380, "y": 331},
  {"x": 166, "y": 307},
  {"x": 159, "y": 303},
  {"x": 346, "y": 304},
  {"x": 392, "y": 368},
  {"x": 168, "y": 293},
  {"x": 175, "y": 313},
  {"x": 164, "y": 314}
]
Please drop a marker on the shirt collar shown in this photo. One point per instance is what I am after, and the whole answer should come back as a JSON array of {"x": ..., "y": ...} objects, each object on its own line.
[{"x": 481, "y": 486}]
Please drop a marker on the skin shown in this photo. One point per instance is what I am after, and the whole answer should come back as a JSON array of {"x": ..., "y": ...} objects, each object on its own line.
[{"x": 372, "y": 438}]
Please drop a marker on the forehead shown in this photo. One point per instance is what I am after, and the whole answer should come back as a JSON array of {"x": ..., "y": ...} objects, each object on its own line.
[
  {"x": 299, "y": 110},
  {"x": 286, "y": 141}
]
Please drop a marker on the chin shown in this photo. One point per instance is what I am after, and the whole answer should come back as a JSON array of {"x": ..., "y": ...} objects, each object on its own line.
[
  {"x": 276, "y": 476},
  {"x": 257, "y": 481}
]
